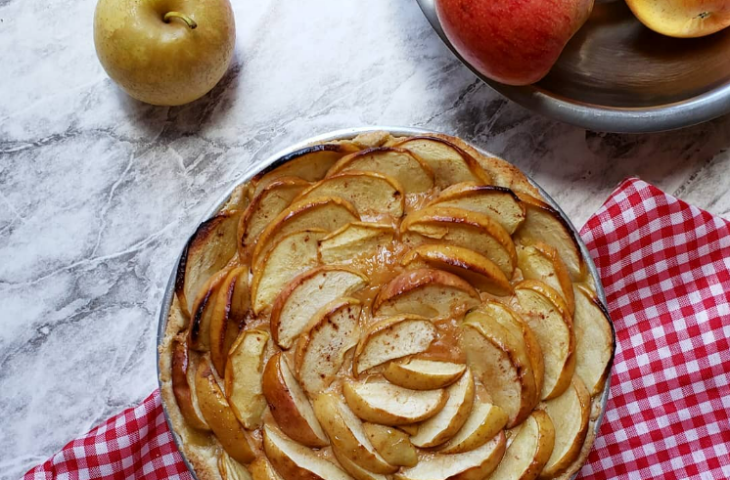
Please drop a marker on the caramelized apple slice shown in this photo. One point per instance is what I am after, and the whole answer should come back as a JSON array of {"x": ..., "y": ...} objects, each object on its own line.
[
  {"x": 529, "y": 450},
  {"x": 184, "y": 395},
  {"x": 413, "y": 175},
  {"x": 231, "y": 306},
  {"x": 499, "y": 203},
  {"x": 594, "y": 347},
  {"x": 425, "y": 292},
  {"x": 392, "y": 338},
  {"x": 261, "y": 469},
  {"x": 388, "y": 404},
  {"x": 289, "y": 405},
  {"x": 244, "y": 373},
  {"x": 484, "y": 423},
  {"x": 541, "y": 262},
  {"x": 372, "y": 194},
  {"x": 203, "y": 312},
  {"x": 356, "y": 239},
  {"x": 231, "y": 469},
  {"x": 393, "y": 444},
  {"x": 307, "y": 293},
  {"x": 321, "y": 349},
  {"x": 423, "y": 374}
]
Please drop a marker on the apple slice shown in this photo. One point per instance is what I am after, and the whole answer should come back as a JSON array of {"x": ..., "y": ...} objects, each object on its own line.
[
  {"x": 231, "y": 469},
  {"x": 347, "y": 435},
  {"x": 444, "y": 425},
  {"x": 594, "y": 346},
  {"x": 541, "y": 262},
  {"x": 529, "y": 450},
  {"x": 371, "y": 193},
  {"x": 269, "y": 203},
  {"x": 304, "y": 295},
  {"x": 309, "y": 163},
  {"x": 321, "y": 349},
  {"x": 261, "y": 469},
  {"x": 208, "y": 250},
  {"x": 240, "y": 198},
  {"x": 184, "y": 395},
  {"x": 425, "y": 292},
  {"x": 356, "y": 239},
  {"x": 244, "y": 372},
  {"x": 294, "y": 461},
  {"x": 476, "y": 464},
  {"x": 500, "y": 361},
  {"x": 510, "y": 320},
  {"x": 423, "y": 374},
  {"x": 569, "y": 414},
  {"x": 220, "y": 417},
  {"x": 393, "y": 444},
  {"x": 291, "y": 255},
  {"x": 388, "y": 404},
  {"x": 450, "y": 164},
  {"x": 232, "y": 304},
  {"x": 409, "y": 429},
  {"x": 357, "y": 472},
  {"x": 499, "y": 203},
  {"x": 473, "y": 267},
  {"x": 462, "y": 228},
  {"x": 548, "y": 317},
  {"x": 484, "y": 423},
  {"x": 392, "y": 338},
  {"x": 413, "y": 175},
  {"x": 321, "y": 213},
  {"x": 289, "y": 405},
  {"x": 203, "y": 311},
  {"x": 544, "y": 223}
]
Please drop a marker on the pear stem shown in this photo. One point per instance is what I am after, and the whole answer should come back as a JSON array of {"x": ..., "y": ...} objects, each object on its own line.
[{"x": 188, "y": 21}]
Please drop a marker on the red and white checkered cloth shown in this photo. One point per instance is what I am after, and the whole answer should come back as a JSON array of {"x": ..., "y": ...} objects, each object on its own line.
[{"x": 665, "y": 266}]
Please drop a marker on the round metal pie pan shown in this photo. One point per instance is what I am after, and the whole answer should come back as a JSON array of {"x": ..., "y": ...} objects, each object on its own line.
[{"x": 281, "y": 158}]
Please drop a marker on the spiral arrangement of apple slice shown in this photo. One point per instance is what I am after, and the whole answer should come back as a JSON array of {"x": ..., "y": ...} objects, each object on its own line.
[{"x": 389, "y": 308}]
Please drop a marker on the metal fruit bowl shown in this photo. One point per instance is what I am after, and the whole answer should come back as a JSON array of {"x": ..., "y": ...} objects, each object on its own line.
[{"x": 616, "y": 75}]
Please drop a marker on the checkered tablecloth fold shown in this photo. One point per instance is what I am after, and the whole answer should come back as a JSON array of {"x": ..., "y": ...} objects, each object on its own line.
[{"x": 665, "y": 267}]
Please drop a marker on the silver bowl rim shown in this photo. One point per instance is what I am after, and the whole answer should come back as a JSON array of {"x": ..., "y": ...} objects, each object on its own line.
[
  {"x": 279, "y": 158},
  {"x": 672, "y": 116}
]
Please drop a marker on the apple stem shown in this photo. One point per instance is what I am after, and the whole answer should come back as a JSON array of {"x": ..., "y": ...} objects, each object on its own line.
[{"x": 188, "y": 21}]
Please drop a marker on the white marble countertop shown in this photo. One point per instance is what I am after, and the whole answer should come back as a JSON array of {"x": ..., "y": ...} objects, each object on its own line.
[{"x": 98, "y": 192}]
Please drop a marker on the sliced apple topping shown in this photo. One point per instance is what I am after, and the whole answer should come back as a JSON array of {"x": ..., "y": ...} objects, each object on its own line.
[
  {"x": 231, "y": 469},
  {"x": 289, "y": 404},
  {"x": 294, "y": 461},
  {"x": 413, "y": 175},
  {"x": 220, "y": 417},
  {"x": 261, "y": 469},
  {"x": 529, "y": 450},
  {"x": 393, "y": 444},
  {"x": 499, "y": 203},
  {"x": 569, "y": 414},
  {"x": 392, "y": 338},
  {"x": 357, "y": 472},
  {"x": 244, "y": 375},
  {"x": 347, "y": 435},
  {"x": 356, "y": 239},
  {"x": 321, "y": 213},
  {"x": 484, "y": 423},
  {"x": 372, "y": 194},
  {"x": 447, "y": 422},
  {"x": 594, "y": 346},
  {"x": 388, "y": 404},
  {"x": 542, "y": 262},
  {"x": 425, "y": 292},
  {"x": 309, "y": 163},
  {"x": 203, "y": 311},
  {"x": 209, "y": 250},
  {"x": 462, "y": 228},
  {"x": 307, "y": 293},
  {"x": 423, "y": 374},
  {"x": 291, "y": 255},
  {"x": 476, "y": 464},
  {"x": 232, "y": 304},
  {"x": 500, "y": 361},
  {"x": 265, "y": 206},
  {"x": 473, "y": 267},
  {"x": 548, "y": 317},
  {"x": 321, "y": 349},
  {"x": 544, "y": 224},
  {"x": 450, "y": 164},
  {"x": 184, "y": 395}
]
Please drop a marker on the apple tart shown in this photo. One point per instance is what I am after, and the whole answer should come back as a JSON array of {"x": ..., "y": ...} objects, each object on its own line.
[{"x": 385, "y": 308}]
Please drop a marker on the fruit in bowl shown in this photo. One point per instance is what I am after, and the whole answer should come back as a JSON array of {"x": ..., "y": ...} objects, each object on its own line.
[
  {"x": 682, "y": 18},
  {"x": 515, "y": 42}
]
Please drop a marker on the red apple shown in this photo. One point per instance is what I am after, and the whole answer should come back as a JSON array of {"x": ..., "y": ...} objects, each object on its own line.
[{"x": 512, "y": 41}]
